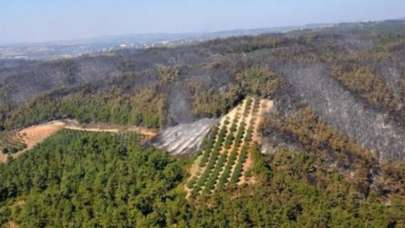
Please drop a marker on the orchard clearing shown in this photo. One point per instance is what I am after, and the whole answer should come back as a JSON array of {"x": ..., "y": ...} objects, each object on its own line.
[{"x": 226, "y": 154}]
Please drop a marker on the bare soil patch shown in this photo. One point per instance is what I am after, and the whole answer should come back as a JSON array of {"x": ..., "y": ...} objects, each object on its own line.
[
  {"x": 33, "y": 135},
  {"x": 3, "y": 157},
  {"x": 12, "y": 224},
  {"x": 36, "y": 134}
]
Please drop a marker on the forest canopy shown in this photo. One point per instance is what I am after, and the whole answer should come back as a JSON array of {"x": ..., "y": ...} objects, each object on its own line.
[{"x": 100, "y": 179}]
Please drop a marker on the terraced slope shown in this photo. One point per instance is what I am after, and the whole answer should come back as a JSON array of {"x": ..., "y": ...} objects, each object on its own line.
[{"x": 225, "y": 157}]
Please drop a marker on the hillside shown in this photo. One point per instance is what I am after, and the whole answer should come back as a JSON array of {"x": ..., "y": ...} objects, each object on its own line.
[
  {"x": 304, "y": 128},
  {"x": 13, "y": 144},
  {"x": 351, "y": 75},
  {"x": 226, "y": 157},
  {"x": 97, "y": 179}
]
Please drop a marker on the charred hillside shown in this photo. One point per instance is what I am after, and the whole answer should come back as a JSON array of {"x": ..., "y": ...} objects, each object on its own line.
[{"x": 351, "y": 77}]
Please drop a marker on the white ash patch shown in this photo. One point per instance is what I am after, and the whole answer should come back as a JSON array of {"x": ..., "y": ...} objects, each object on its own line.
[{"x": 184, "y": 138}]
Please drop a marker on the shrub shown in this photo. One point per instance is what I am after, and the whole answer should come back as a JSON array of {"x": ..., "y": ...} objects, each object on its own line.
[
  {"x": 247, "y": 109},
  {"x": 237, "y": 172},
  {"x": 224, "y": 177},
  {"x": 258, "y": 80},
  {"x": 226, "y": 122},
  {"x": 192, "y": 182},
  {"x": 229, "y": 140},
  {"x": 234, "y": 125},
  {"x": 204, "y": 158},
  {"x": 260, "y": 167},
  {"x": 248, "y": 137},
  {"x": 256, "y": 105},
  {"x": 239, "y": 135},
  {"x": 215, "y": 173},
  {"x": 208, "y": 146},
  {"x": 239, "y": 166}
]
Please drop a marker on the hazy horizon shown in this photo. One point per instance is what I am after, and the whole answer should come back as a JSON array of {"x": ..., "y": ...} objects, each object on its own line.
[{"x": 46, "y": 21}]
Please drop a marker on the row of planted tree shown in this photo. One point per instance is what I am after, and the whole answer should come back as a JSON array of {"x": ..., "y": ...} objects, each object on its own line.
[{"x": 223, "y": 162}]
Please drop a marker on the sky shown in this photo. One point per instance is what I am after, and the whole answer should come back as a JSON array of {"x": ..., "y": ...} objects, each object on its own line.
[{"x": 52, "y": 20}]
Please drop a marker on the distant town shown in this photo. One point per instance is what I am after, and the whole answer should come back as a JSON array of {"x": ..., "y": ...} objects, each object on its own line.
[{"x": 68, "y": 49}]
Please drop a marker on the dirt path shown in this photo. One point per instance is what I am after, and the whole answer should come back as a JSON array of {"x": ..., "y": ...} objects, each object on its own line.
[
  {"x": 148, "y": 133},
  {"x": 74, "y": 125},
  {"x": 36, "y": 134},
  {"x": 107, "y": 130}
]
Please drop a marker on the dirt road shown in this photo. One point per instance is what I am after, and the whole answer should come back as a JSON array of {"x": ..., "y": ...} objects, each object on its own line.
[{"x": 36, "y": 134}]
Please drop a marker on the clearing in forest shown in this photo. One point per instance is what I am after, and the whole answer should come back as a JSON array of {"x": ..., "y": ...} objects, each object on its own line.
[
  {"x": 226, "y": 154},
  {"x": 36, "y": 134}
]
